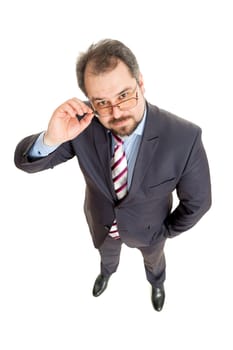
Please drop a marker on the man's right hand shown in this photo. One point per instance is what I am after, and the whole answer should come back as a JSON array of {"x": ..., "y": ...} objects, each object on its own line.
[{"x": 64, "y": 124}]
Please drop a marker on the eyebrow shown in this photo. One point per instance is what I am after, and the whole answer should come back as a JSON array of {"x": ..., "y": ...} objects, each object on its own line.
[{"x": 118, "y": 94}]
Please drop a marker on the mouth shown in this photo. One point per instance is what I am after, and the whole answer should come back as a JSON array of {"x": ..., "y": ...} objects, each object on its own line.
[{"x": 120, "y": 121}]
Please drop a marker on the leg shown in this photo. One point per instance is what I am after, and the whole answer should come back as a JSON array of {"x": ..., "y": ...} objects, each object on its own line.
[
  {"x": 110, "y": 257},
  {"x": 154, "y": 262}
]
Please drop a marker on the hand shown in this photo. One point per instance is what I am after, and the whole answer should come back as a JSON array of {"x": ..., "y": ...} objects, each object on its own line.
[{"x": 64, "y": 124}]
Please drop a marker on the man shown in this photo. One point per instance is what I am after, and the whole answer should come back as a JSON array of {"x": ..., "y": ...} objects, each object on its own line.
[{"x": 133, "y": 155}]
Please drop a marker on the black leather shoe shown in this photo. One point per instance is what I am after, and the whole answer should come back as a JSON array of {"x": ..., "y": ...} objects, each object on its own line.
[
  {"x": 100, "y": 285},
  {"x": 158, "y": 298}
]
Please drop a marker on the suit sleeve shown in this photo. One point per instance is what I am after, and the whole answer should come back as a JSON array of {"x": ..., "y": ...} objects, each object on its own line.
[
  {"x": 32, "y": 165},
  {"x": 193, "y": 191}
]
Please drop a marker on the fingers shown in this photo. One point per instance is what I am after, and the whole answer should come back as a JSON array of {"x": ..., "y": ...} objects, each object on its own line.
[
  {"x": 74, "y": 107},
  {"x": 86, "y": 120}
]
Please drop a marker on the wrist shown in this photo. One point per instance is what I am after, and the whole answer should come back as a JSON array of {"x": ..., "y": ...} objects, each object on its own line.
[{"x": 48, "y": 141}]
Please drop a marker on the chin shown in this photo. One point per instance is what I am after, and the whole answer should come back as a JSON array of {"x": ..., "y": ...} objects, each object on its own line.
[
  {"x": 122, "y": 131},
  {"x": 127, "y": 130}
]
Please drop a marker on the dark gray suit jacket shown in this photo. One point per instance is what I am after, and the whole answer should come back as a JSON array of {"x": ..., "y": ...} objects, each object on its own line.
[{"x": 171, "y": 157}]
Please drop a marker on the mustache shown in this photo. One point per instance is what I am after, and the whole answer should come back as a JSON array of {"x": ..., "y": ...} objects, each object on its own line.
[{"x": 122, "y": 119}]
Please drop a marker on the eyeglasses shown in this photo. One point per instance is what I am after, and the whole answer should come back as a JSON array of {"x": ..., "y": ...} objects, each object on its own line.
[{"x": 105, "y": 108}]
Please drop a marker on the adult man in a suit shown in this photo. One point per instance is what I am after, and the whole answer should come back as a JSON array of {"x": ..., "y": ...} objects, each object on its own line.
[{"x": 162, "y": 153}]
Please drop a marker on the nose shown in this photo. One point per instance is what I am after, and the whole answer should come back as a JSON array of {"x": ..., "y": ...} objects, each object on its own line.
[{"x": 116, "y": 112}]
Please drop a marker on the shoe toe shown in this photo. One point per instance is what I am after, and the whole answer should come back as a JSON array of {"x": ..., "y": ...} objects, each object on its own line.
[
  {"x": 158, "y": 298},
  {"x": 100, "y": 285}
]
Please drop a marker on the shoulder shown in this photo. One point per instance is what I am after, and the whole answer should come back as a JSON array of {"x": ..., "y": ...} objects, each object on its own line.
[{"x": 171, "y": 125}]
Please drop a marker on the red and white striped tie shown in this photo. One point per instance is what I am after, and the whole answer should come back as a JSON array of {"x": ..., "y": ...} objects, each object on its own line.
[{"x": 119, "y": 177}]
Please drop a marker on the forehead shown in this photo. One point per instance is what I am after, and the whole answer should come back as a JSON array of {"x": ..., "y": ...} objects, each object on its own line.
[{"x": 108, "y": 84}]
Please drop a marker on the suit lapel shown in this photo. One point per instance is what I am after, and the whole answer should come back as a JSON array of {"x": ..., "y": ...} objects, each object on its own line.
[{"x": 148, "y": 147}]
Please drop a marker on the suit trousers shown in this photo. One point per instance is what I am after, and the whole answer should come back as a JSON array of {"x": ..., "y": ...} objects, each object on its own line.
[{"x": 153, "y": 258}]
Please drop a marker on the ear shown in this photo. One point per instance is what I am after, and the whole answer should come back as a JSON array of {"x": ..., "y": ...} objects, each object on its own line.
[{"x": 141, "y": 83}]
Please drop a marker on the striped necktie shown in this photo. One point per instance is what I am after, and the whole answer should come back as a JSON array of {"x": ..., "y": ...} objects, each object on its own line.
[{"x": 119, "y": 177}]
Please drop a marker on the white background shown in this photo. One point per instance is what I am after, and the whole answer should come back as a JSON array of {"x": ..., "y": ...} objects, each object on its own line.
[{"x": 47, "y": 261}]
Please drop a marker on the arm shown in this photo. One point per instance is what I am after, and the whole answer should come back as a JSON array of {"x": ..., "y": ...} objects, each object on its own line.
[
  {"x": 63, "y": 127},
  {"x": 193, "y": 191}
]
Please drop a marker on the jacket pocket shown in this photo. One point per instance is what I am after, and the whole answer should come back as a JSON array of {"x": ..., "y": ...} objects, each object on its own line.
[
  {"x": 163, "y": 188},
  {"x": 163, "y": 183}
]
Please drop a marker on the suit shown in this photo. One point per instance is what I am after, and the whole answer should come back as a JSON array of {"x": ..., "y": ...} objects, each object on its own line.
[{"x": 171, "y": 157}]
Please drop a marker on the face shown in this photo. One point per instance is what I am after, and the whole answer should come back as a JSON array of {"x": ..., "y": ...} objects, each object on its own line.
[{"x": 117, "y": 97}]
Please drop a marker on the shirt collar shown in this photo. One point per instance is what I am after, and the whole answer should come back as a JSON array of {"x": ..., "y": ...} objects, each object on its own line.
[{"x": 139, "y": 129}]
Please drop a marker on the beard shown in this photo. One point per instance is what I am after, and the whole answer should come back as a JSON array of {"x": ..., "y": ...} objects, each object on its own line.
[{"x": 126, "y": 129}]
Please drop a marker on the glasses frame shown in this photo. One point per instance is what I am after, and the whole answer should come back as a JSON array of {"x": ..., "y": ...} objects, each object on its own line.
[{"x": 98, "y": 114}]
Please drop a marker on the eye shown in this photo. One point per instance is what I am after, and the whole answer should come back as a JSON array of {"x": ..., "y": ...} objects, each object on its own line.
[
  {"x": 124, "y": 95},
  {"x": 102, "y": 103}
]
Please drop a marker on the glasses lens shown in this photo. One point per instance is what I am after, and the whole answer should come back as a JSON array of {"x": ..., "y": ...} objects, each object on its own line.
[
  {"x": 128, "y": 104},
  {"x": 106, "y": 111}
]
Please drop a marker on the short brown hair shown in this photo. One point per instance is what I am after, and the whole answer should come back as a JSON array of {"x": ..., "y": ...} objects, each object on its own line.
[{"x": 104, "y": 56}]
